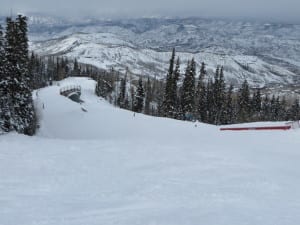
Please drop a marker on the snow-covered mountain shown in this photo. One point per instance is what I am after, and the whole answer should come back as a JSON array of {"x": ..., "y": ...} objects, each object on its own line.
[{"x": 263, "y": 53}]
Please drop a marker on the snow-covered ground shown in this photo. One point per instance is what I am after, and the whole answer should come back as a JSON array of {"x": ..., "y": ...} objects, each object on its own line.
[{"x": 106, "y": 166}]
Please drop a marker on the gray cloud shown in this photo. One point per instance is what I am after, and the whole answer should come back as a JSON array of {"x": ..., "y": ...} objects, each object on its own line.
[{"x": 279, "y": 10}]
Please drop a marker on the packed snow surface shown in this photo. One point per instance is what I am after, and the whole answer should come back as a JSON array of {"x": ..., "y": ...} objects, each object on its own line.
[{"x": 109, "y": 166}]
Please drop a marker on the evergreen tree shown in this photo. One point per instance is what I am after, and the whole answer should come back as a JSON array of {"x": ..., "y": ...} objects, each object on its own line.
[
  {"x": 103, "y": 86},
  {"x": 256, "y": 105},
  {"x": 229, "y": 115},
  {"x": 283, "y": 106},
  {"x": 174, "y": 90},
  {"x": 209, "y": 102},
  {"x": 76, "y": 68},
  {"x": 274, "y": 110},
  {"x": 294, "y": 110},
  {"x": 221, "y": 99},
  {"x": 16, "y": 53},
  {"x": 201, "y": 95},
  {"x": 122, "y": 92},
  {"x": 244, "y": 105},
  {"x": 23, "y": 102},
  {"x": 218, "y": 97},
  {"x": 5, "y": 115},
  {"x": 278, "y": 109},
  {"x": 266, "y": 109},
  {"x": 168, "y": 103},
  {"x": 148, "y": 97},
  {"x": 22, "y": 48},
  {"x": 139, "y": 97},
  {"x": 188, "y": 91}
]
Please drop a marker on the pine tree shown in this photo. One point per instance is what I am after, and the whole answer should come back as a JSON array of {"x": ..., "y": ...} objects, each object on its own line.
[
  {"x": 283, "y": 106},
  {"x": 244, "y": 105},
  {"x": 274, "y": 110},
  {"x": 168, "y": 102},
  {"x": 201, "y": 95},
  {"x": 294, "y": 110},
  {"x": 76, "y": 68},
  {"x": 188, "y": 91},
  {"x": 256, "y": 105},
  {"x": 218, "y": 96},
  {"x": 16, "y": 52},
  {"x": 278, "y": 109},
  {"x": 221, "y": 99},
  {"x": 209, "y": 102},
  {"x": 5, "y": 115},
  {"x": 122, "y": 91},
  {"x": 103, "y": 86},
  {"x": 266, "y": 108},
  {"x": 174, "y": 90},
  {"x": 229, "y": 115},
  {"x": 139, "y": 97},
  {"x": 148, "y": 97},
  {"x": 22, "y": 46},
  {"x": 24, "y": 107}
]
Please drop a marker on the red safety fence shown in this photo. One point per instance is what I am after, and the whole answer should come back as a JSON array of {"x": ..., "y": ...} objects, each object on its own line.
[{"x": 285, "y": 127}]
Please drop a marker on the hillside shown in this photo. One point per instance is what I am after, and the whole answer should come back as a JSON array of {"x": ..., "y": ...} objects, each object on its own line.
[
  {"x": 266, "y": 54},
  {"x": 107, "y": 166}
]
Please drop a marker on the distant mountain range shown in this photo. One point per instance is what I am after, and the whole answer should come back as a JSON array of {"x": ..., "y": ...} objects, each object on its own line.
[{"x": 266, "y": 54}]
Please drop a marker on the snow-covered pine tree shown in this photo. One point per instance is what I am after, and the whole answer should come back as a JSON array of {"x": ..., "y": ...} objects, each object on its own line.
[
  {"x": 209, "y": 102},
  {"x": 22, "y": 46},
  {"x": 294, "y": 111},
  {"x": 256, "y": 104},
  {"x": 174, "y": 90},
  {"x": 37, "y": 71},
  {"x": 5, "y": 115},
  {"x": 188, "y": 91},
  {"x": 283, "y": 107},
  {"x": 201, "y": 95},
  {"x": 76, "y": 69},
  {"x": 7, "y": 83},
  {"x": 168, "y": 102},
  {"x": 266, "y": 109},
  {"x": 22, "y": 108},
  {"x": 229, "y": 116},
  {"x": 139, "y": 97},
  {"x": 25, "y": 107},
  {"x": 244, "y": 105},
  {"x": 278, "y": 109},
  {"x": 274, "y": 110},
  {"x": 221, "y": 106},
  {"x": 122, "y": 92},
  {"x": 148, "y": 97},
  {"x": 214, "y": 110}
]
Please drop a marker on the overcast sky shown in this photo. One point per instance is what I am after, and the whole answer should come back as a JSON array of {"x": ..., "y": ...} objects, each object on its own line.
[{"x": 279, "y": 10}]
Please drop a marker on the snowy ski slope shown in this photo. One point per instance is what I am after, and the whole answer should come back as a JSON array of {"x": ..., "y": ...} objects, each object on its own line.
[{"x": 106, "y": 166}]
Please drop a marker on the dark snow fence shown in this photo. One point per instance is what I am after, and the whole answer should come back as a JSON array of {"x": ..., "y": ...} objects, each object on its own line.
[
  {"x": 66, "y": 91},
  {"x": 72, "y": 92}
]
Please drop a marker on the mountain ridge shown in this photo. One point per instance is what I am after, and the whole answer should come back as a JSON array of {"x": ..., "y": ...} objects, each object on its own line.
[{"x": 115, "y": 43}]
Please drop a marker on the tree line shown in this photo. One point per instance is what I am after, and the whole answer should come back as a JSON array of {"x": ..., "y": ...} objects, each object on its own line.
[{"x": 195, "y": 96}]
